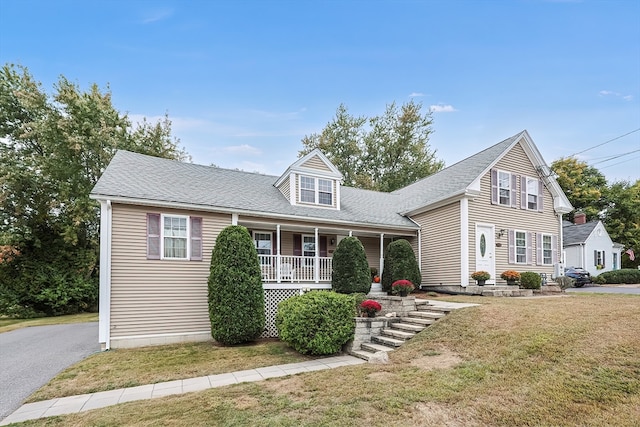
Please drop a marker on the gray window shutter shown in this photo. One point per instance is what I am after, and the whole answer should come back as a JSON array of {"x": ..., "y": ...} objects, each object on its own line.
[
  {"x": 513, "y": 194},
  {"x": 153, "y": 236},
  {"x": 529, "y": 248},
  {"x": 539, "y": 252},
  {"x": 604, "y": 259},
  {"x": 523, "y": 192},
  {"x": 554, "y": 249},
  {"x": 540, "y": 196},
  {"x": 595, "y": 257},
  {"x": 512, "y": 246},
  {"x": 196, "y": 238},
  {"x": 494, "y": 187}
]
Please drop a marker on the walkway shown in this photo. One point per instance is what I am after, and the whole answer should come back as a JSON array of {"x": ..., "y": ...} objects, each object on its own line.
[{"x": 86, "y": 402}]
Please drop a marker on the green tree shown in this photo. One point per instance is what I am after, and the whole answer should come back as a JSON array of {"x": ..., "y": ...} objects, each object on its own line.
[
  {"x": 584, "y": 186},
  {"x": 381, "y": 153},
  {"x": 400, "y": 263},
  {"x": 351, "y": 272},
  {"x": 53, "y": 149},
  {"x": 236, "y": 296},
  {"x": 621, "y": 218}
]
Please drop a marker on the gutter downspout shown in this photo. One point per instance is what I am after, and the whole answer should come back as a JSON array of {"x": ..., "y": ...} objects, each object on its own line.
[{"x": 104, "y": 335}]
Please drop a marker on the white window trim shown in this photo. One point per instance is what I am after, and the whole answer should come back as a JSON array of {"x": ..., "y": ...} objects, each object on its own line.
[
  {"x": 511, "y": 190},
  {"x": 541, "y": 243},
  {"x": 188, "y": 237},
  {"x": 270, "y": 234},
  {"x": 316, "y": 190},
  {"x": 515, "y": 247},
  {"x": 314, "y": 242},
  {"x": 526, "y": 192}
]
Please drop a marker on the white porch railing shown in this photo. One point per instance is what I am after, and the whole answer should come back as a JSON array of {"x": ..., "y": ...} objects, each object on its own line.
[{"x": 295, "y": 269}]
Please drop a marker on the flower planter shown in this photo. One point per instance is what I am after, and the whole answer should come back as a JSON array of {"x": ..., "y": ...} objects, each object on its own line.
[{"x": 480, "y": 282}]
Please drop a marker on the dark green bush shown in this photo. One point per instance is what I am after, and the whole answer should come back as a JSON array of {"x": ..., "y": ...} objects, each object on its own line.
[
  {"x": 350, "y": 268},
  {"x": 624, "y": 276},
  {"x": 318, "y": 322},
  {"x": 236, "y": 296},
  {"x": 400, "y": 263},
  {"x": 530, "y": 280}
]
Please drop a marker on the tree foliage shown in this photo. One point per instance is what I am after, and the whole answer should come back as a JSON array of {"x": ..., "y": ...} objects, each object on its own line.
[
  {"x": 351, "y": 273},
  {"x": 236, "y": 297},
  {"x": 53, "y": 149},
  {"x": 400, "y": 263},
  {"x": 621, "y": 217},
  {"x": 380, "y": 153},
  {"x": 584, "y": 186}
]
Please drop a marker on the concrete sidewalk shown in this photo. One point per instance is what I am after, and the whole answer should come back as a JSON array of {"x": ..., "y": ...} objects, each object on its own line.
[{"x": 86, "y": 402}]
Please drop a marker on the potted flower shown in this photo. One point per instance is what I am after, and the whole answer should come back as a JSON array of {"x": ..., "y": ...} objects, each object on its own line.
[
  {"x": 480, "y": 277},
  {"x": 402, "y": 287},
  {"x": 511, "y": 276},
  {"x": 370, "y": 307}
]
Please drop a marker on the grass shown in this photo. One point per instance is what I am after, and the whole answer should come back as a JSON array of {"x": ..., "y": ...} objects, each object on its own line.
[
  {"x": 509, "y": 362},
  {"x": 10, "y": 324}
]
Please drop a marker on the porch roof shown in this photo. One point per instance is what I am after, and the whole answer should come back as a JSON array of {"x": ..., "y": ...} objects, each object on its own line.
[{"x": 146, "y": 179}]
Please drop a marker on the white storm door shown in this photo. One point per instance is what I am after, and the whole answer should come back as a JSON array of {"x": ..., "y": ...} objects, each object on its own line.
[{"x": 485, "y": 250}]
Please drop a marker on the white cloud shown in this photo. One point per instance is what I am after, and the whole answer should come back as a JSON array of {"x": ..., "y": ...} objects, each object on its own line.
[
  {"x": 440, "y": 108},
  {"x": 615, "y": 95},
  {"x": 416, "y": 94},
  {"x": 157, "y": 15},
  {"x": 243, "y": 149}
]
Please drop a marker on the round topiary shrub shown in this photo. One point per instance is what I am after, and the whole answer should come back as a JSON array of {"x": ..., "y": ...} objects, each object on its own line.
[
  {"x": 318, "y": 322},
  {"x": 236, "y": 296},
  {"x": 400, "y": 263},
  {"x": 351, "y": 271},
  {"x": 530, "y": 280}
]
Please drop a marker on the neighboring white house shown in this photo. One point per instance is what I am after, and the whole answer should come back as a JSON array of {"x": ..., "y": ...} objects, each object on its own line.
[{"x": 588, "y": 245}]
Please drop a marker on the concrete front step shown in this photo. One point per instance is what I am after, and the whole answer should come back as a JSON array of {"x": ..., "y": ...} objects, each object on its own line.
[
  {"x": 373, "y": 347},
  {"x": 407, "y": 327},
  {"x": 434, "y": 309},
  {"x": 387, "y": 341},
  {"x": 398, "y": 334},
  {"x": 362, "y": 354},
  {"x": 426, "y": 314}
]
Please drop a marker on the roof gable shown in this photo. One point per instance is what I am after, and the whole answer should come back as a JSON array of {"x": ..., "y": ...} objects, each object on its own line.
[{"x": 313, "y": 163}]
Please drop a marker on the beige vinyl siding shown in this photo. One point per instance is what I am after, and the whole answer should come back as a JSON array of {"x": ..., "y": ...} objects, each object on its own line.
[
  {"x": 504, "y": 217},
  {"x": 316, "y": 162},
  {"x": 156, "y": 297},
  {"x": 372, "y": 249},
  {"x": 440, "y": 245},
  {"x": 285, "y": 188}
]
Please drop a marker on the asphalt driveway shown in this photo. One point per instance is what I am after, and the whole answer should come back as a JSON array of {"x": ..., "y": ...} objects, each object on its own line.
[
  {"x": 612, "y": 289},
  {"x": 30, "y": 357}
]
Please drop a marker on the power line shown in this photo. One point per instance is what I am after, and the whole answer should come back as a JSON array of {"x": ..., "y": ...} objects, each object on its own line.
[
  {"x": 624, "y": 161},
  {"x": 615, "y": 157},
  {"x": 606, "y": 142}
]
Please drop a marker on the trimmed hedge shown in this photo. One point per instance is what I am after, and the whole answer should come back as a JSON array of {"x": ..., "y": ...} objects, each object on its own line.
[
  {"x": 530, "y": 280},
  {"x": 351, "y": 271},
  {"x": 318, "y": 322},
  {"x": 400, "y": 263},
  {"x": 236, "y": 296},
  {"x": 628, "y": 276}
]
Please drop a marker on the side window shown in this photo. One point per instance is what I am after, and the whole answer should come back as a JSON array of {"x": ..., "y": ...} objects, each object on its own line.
[{"x": 174, "y": 237}]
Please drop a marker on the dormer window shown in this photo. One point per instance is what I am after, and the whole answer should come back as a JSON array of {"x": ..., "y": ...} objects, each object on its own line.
[{"x": 316, "y": 190}]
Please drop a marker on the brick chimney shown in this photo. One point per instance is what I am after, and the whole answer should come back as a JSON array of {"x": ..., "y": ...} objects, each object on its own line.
[{"x": 579, "y": 218}]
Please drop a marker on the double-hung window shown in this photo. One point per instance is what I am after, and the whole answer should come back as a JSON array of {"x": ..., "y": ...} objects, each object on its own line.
[
  {"x": 316, "y": 190},
  {"x": 520, "y": 251},
  {"x": 532, "y": 194},
  {"x": 262, "y": 240},
  {"x": 504, "y": 188},
  {"x": 521, "y": 247},
  {"x": 547, "y": 250},
  {"x": 176, "y": 237}
]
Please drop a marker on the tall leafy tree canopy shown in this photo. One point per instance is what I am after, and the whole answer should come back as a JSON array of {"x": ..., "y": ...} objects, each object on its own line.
[
  {"x": 380, "y": 153},
  {"x": 617, "y": 204},
  {"x": 53, "y": 149}
]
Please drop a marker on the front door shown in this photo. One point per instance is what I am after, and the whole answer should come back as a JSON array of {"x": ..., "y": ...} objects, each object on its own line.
[{"x": 485, "y": 250}]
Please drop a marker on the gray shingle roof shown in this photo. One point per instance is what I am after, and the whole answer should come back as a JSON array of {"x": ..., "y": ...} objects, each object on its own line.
[
  {"x": 146, "y": 178},
  {"x": 452, "y": 180},
  {"x": 575, "y": 234}
]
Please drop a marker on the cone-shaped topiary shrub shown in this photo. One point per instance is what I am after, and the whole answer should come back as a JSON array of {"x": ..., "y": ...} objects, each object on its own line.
[
  {"x": 318, "y": 322},
  {"x": 236, "y": 297},
  {"x": 400, "y": 263},
  {"x": 351, "y": 271}
]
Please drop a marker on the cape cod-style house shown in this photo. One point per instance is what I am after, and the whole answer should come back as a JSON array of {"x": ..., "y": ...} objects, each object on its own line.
[{"x": 496, "y": 210}]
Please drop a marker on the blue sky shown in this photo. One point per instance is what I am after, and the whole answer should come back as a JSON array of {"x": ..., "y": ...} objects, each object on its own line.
[{"x": 245, "y": 81}]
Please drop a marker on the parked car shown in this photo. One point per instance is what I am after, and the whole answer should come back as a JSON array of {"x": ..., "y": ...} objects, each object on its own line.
[{"x": 580, "y": 275}]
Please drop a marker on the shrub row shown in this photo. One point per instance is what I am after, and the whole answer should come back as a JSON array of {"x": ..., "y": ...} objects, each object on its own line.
[{"x": 624, "y": 276}]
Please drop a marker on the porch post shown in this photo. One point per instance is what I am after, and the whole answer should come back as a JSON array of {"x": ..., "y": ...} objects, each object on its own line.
[
  {"x": 381, "y": 255},
  {"x": 316, "y": 264},
  {"x": 278, "y": 260},
  {"x": 350, "y": 233}
]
